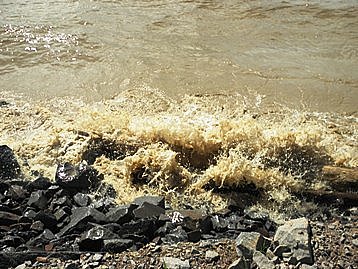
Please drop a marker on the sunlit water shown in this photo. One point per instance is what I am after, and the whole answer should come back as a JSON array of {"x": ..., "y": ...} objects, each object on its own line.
[{"x": 184, "y": 95}]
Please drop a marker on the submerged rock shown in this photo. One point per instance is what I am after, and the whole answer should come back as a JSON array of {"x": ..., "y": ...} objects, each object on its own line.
[{"x": 9, "y": 167}]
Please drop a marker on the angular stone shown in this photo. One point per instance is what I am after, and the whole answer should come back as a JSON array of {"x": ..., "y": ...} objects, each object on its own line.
[
  {"x": 17, "y": 192},
  {"x": 120, "y": 214},
  {"x": 177, "y": 235},
  {"x": 9, "y": 167},
  {"x": 92, "y": 240},
  {"x": 80, "y": 177},
  {"x": 60, "y": 214},
  {"x": 37, "y": 226},
  {"x": 248, "y": 242},
  {"x": 40, "y": 183},
  {"x": 295, "y": 234},
  {"x": 47, "y": 219},
  {"x": 175, "y": 263},
  {"x": 154, "y": 200},
  {"x": 262, "y": 261},
  {"x": 220, "y": 224},
  {"x": 38, "y": 199},
  {"x": 80, "y": 216},
  {"x": 147, "y": 210},
  {"x": 7, "y": 218},
  {"x": 116, "y": 245},
  {"x": 81, "y": 199}
]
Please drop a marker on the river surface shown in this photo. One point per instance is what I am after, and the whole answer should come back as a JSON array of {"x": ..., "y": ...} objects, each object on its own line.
[
  {"x": 301, "y": 53},
  {"x": 181, "y": 98}
]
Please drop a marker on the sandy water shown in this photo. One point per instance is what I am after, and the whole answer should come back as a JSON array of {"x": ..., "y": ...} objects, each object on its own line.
[{"x": 182, "y": 98}]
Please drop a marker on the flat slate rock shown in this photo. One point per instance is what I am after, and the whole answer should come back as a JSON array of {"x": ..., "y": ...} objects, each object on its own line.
[{"x": 154, "y": 200}]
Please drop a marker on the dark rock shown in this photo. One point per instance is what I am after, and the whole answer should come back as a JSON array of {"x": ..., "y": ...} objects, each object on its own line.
[
  {"x": 248, "y": 242},
  {"x": 62, "y": 201},
  {"x": 194, "y": 236},
  {"x": 37, "y": 226},
  {"x": 295, "y": 234},
  {"x": 3, "y": 103},
  {"x": 38, "y": 199},
  {"x": 147, "y": 210},
  {"x": 9, "y": 167},
  {"x": 80, "y": 177},
  {"x": 92, "y": 240},
  {"x": 41, "y": 183},
  {"x": 120, "y": 214},
  {"x": 81, "y": 199},
  {"x": 116, "y": 245},
  {"x": 140, "y": 226},
  {"x": 41, "y": 240},
  {"x": 220, "y": 224},
  {"x": 11, "y": 241},
  {"x": 103, "y": 204},
  {"x": 48, "y": 219},
  {"x": 176, "y": 236},
  {"x": 29, "y": 213},
  {"x": 16, "y": 192},
  {"x": 257, "y": 215},
  {"x": 80, "y": 216},
  {"x": 154, "y": 200},
  {"x": 7, "y": 218}
]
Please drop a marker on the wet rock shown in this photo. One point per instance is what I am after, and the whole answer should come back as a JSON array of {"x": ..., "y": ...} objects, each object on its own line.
[
  {"x": 92, "y": 240},
  {"x": 295, "y": 234},
  {"x": 38, "y": 199},
  {"x": 80, "y": 216},
  {"x": 116, "y": 245},
  {"x": 154, "y": 200},
  {"x": 80, "y": 177},
  {"x": 7, "y": 218},
  {"x": 147, "y": 210},
  {"x": 175, "y": 263},
  {"x": 262, "y": 261},
  {"x": 9, "y": 167},
  {"x": 120, "y": 214},
  {"x": 248, "y": 242},
  {"x": 81, "y": 199}
]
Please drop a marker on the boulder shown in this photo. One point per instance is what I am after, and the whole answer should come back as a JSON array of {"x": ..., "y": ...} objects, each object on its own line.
[
  {"x": 9, "y": 167},
  {"x": 40, "y": 183},
  {"x": 248, "y": 242},
  {"x": 93, "y": 239},
  {"x": 296, "y": 236},
  {"x": 120, "y": 214},
  {"x": 80, "y": 217},
  {"x": 77, "y": 177},
  {"x": 240, "y": 263}
]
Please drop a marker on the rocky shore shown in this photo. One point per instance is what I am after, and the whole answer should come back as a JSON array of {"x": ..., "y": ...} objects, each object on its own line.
[{"x": 74, "y": 222}]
